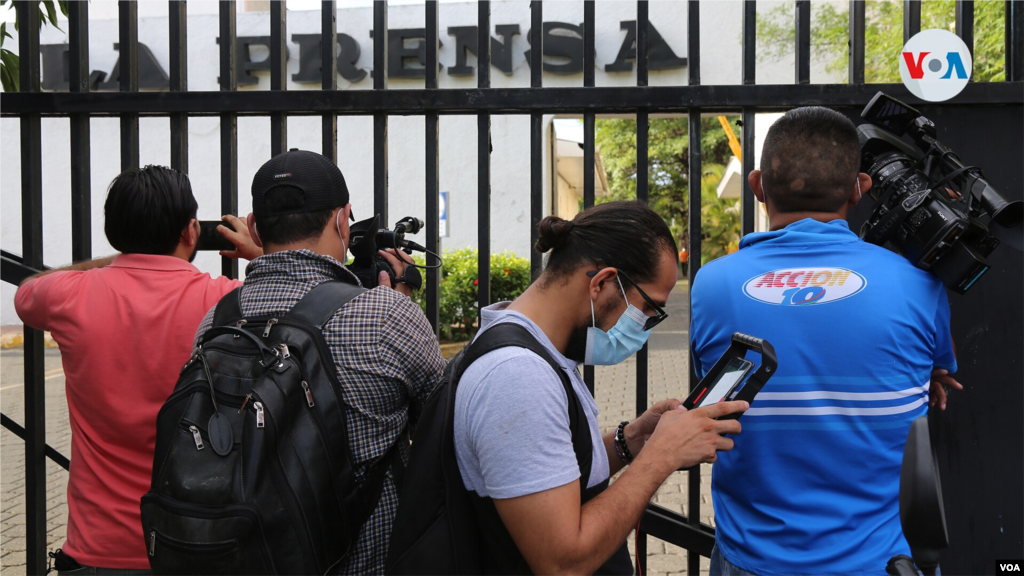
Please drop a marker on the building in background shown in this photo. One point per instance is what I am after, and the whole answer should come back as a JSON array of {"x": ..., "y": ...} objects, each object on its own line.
[{"x": 510, "y": 161}]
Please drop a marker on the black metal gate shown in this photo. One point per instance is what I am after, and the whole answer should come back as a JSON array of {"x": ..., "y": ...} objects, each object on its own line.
[{"x": 978, "y": 440}]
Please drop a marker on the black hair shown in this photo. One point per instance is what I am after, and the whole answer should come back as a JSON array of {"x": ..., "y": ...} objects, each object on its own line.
[
  {"x": 810, "y": 160},
  {"x": 625, "y": 234},
  {"x": 289, "y": 227},
  {"x": 146, "y": 210}
]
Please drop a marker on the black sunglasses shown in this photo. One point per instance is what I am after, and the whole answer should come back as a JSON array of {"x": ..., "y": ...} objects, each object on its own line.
[{"x": 659, "y": 312}]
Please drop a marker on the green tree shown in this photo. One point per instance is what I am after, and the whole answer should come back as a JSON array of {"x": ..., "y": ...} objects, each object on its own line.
[
  {"x": 668, "y": 176},
  {"x": 10, "y": 64},
  {"x": 883, "y": 36}
]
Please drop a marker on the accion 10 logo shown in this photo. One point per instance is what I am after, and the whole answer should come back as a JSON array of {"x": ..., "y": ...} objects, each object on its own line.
[
  {"x": 935, "y": 65},
  {"x": 804, "y": 286}
]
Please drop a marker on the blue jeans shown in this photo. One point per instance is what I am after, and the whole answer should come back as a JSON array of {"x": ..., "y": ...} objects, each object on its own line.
[{"x": 722, "y": 567}]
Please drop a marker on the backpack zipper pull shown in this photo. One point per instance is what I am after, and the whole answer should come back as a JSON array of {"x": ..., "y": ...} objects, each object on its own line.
[
  {"x": 259, "y": 414},
  {"x": 309, "y": 393},
  {"x": 270, "y": 324},
  {"x": 152, "y": 543},
  {"x": 196, "y": 437},
  {"x": 239, "y": 324}
]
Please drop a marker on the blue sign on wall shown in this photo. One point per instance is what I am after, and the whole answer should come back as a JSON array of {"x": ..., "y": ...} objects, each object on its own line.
[{"x": 442, "y": 228}]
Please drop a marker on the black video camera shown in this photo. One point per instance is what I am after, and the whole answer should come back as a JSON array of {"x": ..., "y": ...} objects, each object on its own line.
[
  {"x": 950, "y": 237},
  {"x": 366, "y": 238}
]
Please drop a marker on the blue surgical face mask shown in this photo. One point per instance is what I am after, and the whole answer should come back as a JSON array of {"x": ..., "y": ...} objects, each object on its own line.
[{"x": 626, "y": 338}]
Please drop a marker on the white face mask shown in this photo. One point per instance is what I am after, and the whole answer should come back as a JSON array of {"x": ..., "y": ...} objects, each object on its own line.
[{"x": 624, "y": 339}]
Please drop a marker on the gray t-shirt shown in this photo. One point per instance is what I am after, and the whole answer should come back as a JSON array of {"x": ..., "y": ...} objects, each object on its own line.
[{"x": 512, "y": 433}]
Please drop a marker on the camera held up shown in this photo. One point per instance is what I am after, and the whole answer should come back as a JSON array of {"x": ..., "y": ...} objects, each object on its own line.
[
  {"x": 367, "y": 237},
  {"x": 950, "y": 237}
]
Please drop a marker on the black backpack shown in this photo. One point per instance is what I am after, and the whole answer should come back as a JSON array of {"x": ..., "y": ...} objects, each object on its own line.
[
  {"x": 252, "y": 472},
  {"x": 441, "y": 527}
]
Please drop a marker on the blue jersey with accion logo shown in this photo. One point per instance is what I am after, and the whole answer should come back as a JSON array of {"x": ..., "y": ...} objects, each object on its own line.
[{"x": 812, "y": 485}]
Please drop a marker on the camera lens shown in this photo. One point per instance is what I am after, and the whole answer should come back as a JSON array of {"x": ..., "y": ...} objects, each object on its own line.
[{"x": 885, "y": 170}]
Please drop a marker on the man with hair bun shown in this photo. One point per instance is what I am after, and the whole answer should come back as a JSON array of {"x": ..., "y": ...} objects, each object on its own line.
[
  {"x": 608, "y": 275},
  {"x": 862, "y": 338}
]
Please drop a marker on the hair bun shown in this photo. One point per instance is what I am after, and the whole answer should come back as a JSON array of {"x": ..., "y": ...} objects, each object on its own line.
[{"x": 552, "y": 232}]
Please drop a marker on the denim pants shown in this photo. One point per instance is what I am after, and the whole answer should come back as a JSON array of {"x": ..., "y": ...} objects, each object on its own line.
[{"x": 722, "y": 567}]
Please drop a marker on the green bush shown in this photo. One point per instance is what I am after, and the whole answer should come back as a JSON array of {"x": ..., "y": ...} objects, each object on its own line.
[{"x": 510, "y": 276}]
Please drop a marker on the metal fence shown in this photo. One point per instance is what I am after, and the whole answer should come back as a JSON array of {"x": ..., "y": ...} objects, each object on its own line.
[{"x": 179, "y": 104}]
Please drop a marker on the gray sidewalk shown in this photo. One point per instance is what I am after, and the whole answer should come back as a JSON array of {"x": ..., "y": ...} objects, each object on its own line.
[{"x": 615, "y": 392}]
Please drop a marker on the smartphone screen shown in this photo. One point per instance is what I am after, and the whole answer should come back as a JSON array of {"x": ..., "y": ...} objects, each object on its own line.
[{"x": 733, "y": 373}]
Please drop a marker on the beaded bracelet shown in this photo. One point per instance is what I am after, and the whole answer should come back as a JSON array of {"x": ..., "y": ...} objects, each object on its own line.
[{"x": 620, "y": 443}]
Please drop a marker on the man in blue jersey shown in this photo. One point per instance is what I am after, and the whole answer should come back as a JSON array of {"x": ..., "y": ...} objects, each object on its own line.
[{"x": 862, "y": 337}]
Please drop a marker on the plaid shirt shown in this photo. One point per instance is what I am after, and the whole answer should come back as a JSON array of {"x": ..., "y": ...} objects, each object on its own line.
[{"x": 387, "y": 359}]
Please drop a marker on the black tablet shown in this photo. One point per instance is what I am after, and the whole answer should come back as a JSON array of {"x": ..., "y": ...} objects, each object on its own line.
[{"x": 730, "y": 378}]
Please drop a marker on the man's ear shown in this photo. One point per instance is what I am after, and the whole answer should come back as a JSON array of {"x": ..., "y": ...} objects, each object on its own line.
[
  {"x": 250, "y": 222},
  {"x": 857, "y": 194},
  {"x": 190, "y": 234},
  {"x": 343, "y": 220},
  {"x": 754, "y": 179},
  {"x": 600, "y": 281}
]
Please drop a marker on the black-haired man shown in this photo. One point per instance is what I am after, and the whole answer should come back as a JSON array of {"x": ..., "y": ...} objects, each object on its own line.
[
  {"x": 812, "y": 485},
  {"x": 385, "y": 353},
  {"x": 123, "y": 326}
]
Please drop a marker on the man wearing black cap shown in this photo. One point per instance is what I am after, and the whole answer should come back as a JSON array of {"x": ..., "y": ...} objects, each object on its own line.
[{"x": 385, "y": 353}]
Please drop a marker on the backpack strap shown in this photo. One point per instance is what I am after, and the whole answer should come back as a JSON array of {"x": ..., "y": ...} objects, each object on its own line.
[
  {"x": 322, "y": 302},
  {"x": 229, "y": 309},
  {"x": 509, "y": 334}
]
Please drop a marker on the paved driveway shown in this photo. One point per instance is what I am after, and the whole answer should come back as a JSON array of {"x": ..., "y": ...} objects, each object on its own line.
[{"x": 615, "y": 392}]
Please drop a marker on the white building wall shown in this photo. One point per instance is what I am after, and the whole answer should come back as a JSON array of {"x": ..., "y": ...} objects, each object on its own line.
[{"x": 510, "y": 160}]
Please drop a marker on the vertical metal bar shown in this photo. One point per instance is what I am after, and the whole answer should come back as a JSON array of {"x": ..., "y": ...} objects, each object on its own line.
[
  {"x": 803, "y": 42},
  {"x": 483, "y": 43},
  {"x": 228, "y": 126},
  {"x": 747, "y": 205},
  {"x": 693, "y": 265},
  {"x": 643, "y": 11},
  {"x": 749, "y": 41},
  {"x": 32, "y": 253},
  {"x": 432, "y": 162},
  {"x": 856, "y": 42},
  {"x": 642, "y": 125},
  {"x": 693, "y": 41},
  {"x": 589, "y": 52},
  {"x": 380, "y": 119},
  {"x": 278, "y": 74},
  {"x": 911, "y": 18},
  {"x": 536, "y": 43},
  {"x": 588, "y": 198},
  {"x": 433, "y": 290},
  {"x": 536, "y": 134},
  {"x": 128, "y": 58},
  {"x": 536, "y": 188},
  {"x": 483, "y": 151},
  {"x": 81, "y": 135},
  {"x": 329, "y": 73},
  {"x": 965, "y": 23},
  {"x": 177, "y": 29},
  {"x": 1014, "y": 40}
]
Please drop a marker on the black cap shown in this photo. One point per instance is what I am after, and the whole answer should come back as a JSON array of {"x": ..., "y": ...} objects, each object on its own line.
[{"x": 319, "y": 179}]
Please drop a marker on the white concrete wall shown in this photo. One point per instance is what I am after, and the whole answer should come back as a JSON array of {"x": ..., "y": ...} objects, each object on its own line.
[{"x": 510, "y": 167}]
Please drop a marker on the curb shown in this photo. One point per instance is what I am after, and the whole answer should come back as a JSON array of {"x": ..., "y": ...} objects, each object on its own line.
[{"x": 13, "y": 340}]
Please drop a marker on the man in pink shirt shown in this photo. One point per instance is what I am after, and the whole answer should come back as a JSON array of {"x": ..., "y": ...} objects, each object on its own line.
[{"x": 124, "y": 326}]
